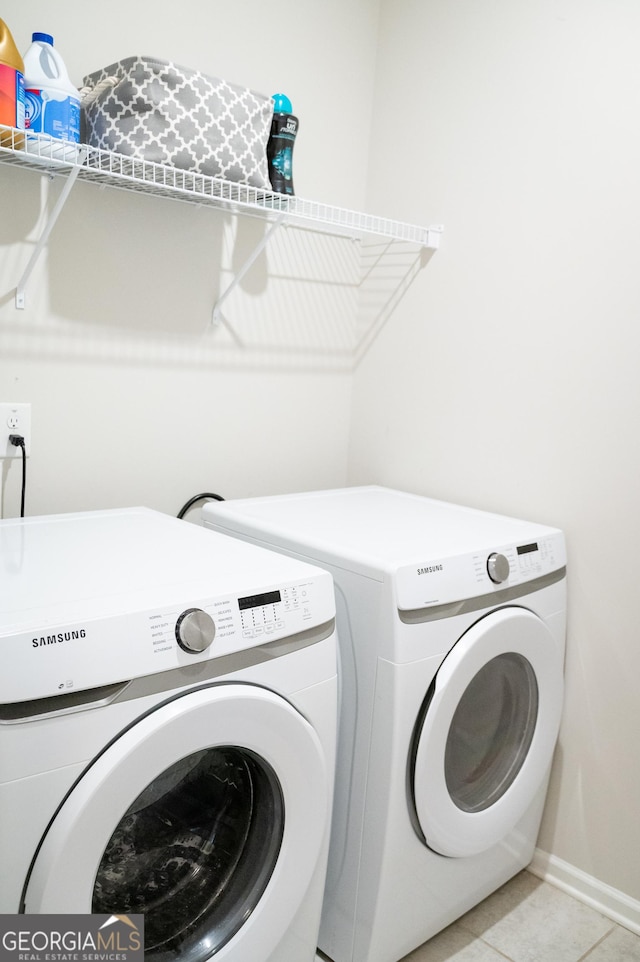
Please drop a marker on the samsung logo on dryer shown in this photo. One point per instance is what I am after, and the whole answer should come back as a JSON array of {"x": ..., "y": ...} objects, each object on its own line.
[
  {"x": 430, "y": 569},
  {"x": 58, "y": 638}
]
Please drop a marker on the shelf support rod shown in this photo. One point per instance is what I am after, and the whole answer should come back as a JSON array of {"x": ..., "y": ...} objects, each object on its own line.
[
  {"x": 42, "y": 240},
  {"x": 217, "y": 315}
]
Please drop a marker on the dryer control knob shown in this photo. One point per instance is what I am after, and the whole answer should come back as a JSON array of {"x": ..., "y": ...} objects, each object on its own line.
[
  {"x": 497, "y": 567},
  {"x": 195, "y": 630}
]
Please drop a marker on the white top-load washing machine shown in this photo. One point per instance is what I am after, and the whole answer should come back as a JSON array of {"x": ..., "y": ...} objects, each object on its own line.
[
  {"x": 451, "y": 633},
  {"x": 167, "y": 733}
]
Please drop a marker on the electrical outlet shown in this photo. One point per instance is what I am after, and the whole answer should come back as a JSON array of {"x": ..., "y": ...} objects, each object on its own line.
[{"x": 14, "y": 419}]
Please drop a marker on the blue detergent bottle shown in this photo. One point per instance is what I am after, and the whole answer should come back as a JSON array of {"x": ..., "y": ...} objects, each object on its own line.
[{"x": 284, "y": 128}]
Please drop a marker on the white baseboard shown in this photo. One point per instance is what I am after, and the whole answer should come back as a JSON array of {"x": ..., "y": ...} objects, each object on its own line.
[{"x": 608, "y": 901}]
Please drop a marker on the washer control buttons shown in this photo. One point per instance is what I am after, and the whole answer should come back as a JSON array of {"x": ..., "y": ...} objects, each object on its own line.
[
  {"x": 195, "y": 630},
  {"x": 497, "y": 567}
]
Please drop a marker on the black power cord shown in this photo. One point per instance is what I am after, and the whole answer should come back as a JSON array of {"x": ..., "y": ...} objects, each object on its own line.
[
  {"x": 18, "y": 442},
  {"x": 198, "y": 497}
]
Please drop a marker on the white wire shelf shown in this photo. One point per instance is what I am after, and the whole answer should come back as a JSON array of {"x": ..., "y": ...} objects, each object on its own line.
[
  {"x": 62, "y": 158},
  {"x": 74, "y": 162}
]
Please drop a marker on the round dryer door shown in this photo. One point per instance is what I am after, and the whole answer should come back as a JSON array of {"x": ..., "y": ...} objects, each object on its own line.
[
  {"x": 488, "y": 731},
  {"x": 207, "y": 816}
]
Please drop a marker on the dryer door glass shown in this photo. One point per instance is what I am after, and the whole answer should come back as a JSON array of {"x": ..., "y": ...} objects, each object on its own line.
[
  {"x": 194, "y": 852},
  {"x": 491, "y": 732}
]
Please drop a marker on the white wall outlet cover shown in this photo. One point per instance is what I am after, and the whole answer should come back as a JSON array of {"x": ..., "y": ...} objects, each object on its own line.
[{"x": 14, "y": 419}]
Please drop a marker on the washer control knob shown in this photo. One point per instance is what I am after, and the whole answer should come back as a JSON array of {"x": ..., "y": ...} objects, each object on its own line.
[
  {"x": 195, "y": 630},
  {"x": 497, "y": 567}
]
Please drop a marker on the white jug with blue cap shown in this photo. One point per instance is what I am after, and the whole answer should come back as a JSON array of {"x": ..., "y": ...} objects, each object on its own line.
[{"x": 52, "y": 103}]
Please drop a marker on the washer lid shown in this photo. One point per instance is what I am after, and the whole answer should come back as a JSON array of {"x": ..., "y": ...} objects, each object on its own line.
[{"x": 485, "y": 743}]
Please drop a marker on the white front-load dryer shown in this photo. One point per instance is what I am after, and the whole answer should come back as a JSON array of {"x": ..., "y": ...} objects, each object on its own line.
[
  {"x": 167, "y": 733},
  {"x": 451, "y": 628}
]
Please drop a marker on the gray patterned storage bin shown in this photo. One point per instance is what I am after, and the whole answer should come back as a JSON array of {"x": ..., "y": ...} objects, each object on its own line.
[{"x": 156, "y": 110}]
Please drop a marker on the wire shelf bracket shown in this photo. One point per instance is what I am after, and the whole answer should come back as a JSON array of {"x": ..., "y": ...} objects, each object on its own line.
[
  {"x": 217, "y": 316},
  {"x": 44, "y": 237}
]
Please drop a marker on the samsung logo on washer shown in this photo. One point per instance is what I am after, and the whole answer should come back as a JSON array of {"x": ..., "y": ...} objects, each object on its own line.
[
  {"x": 58, "y": 638},
  {"x": 430, "y": 569}
]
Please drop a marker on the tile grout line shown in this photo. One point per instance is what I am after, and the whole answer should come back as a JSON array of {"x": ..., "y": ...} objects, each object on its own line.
[
  {"x": 596, "y": 944},
  {"x": 479, "y": 938}
]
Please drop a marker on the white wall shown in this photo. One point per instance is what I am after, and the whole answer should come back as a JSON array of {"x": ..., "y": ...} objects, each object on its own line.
[
  {"x": 508, "y": 376},
  {"x": 135, "y": 399}
]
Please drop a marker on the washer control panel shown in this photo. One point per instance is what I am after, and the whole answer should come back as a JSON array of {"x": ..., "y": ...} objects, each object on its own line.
[
  {"x": 230, "y": 623},
  {"x": 438, "y": 581},
  {"x": 53, "y": 658},
  {"x": 252, "y": 617},
  {"x": 264, "y": 614}
]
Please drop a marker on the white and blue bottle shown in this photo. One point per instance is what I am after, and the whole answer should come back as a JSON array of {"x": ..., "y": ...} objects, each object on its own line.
[{"x": 52, "y": 103}]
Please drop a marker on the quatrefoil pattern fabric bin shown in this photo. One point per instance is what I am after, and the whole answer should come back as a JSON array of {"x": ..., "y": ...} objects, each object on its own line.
[{"x": 156, "y": 110}]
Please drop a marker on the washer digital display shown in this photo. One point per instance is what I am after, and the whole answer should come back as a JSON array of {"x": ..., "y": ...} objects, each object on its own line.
[
  {"x": 255, "y": 601},
  {"x": 527, "y": 548}
]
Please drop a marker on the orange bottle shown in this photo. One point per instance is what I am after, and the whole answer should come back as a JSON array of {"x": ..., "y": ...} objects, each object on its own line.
[{"x": 11, "y": 86}]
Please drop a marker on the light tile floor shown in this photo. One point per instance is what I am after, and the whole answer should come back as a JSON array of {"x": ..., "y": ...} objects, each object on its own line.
[{"x": 529, "y": 920}]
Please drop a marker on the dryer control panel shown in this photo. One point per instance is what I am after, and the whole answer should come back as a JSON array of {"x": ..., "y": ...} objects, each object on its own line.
[{"x": 437, "y": 581}]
